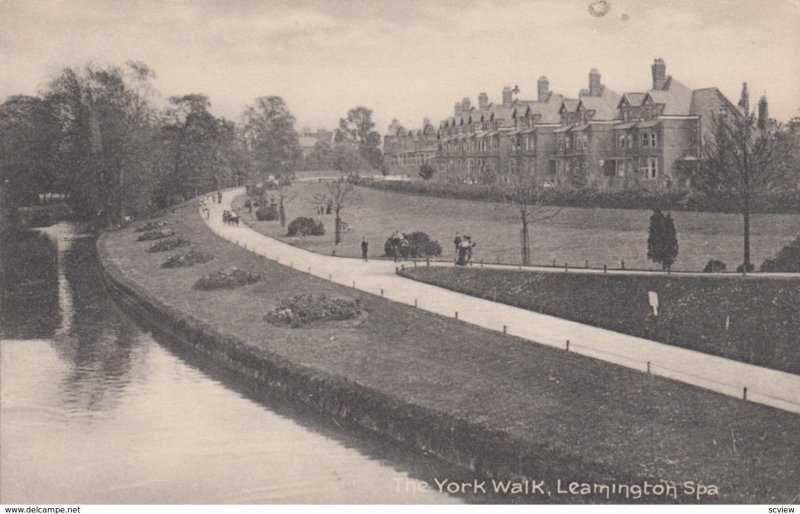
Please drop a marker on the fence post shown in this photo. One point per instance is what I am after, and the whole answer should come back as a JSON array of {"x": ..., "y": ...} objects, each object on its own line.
[
  {"x": 415, "y": 302},
  {"x": 505, "y": 329},
  {"x": 744, "y": 394},
  {"x": 587, "y": 264},
  {"x": 605, "y": 268},
  {"x": 567, "y": 344},
  {"x": 623, "y": 263},
  {"x": 354, "y": 284},
  {"x": 481, "y": 263},
  {"x": 648, "y": 367},
  {"x": 498, "y": 259},
  {"x": 330, "y": 277},
  {"x": 381, "y": 292},
  {"x": 456, "y": 314},
  {"x": 427, "y": 261},
  {"x": 566, "y": 266},
  {"x": 415, "y": 263},
  {"x": 554, "y": 262}
]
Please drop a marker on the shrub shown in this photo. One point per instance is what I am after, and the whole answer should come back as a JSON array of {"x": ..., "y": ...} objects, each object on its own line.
[
  {"x": 267, "y": 213},
  {"x": 419, "y": 245},
  {"x": 741, "y": 267},
  {"x": 300, "y": 310},
  {"x": 714, "y": 266},
  {"x": 426, "y": 171},
  {"x": 169, "y": 244},
  {"x": 787, "y": 260},
  {"x": 189, "y": 258},
  {"x": 152, "y": 225},
  {"x": 227, "y": 279},
  {"x": 302, "y": 226},
  {"x": 155, "y": 234}
]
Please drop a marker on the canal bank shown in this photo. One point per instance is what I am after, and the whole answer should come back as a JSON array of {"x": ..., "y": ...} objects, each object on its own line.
[{"x": 492, "y": 404}]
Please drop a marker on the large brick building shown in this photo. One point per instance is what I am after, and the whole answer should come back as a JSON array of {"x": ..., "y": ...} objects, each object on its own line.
[{"x": 601, "y": 139}]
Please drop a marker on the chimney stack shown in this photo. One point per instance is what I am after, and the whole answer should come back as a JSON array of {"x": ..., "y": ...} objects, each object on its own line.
[
  {"x": 465, "y": 105},
  {"x": 763, "y": 112},
  {"x": 483, "y": 101},
  {"x": 457, "y": 109},
  {"x": 507, "y": 97},
  {"x": 543, "y": 88},
  {"x": 659, "y": 69},
  {"x": 595, "y": 86}
]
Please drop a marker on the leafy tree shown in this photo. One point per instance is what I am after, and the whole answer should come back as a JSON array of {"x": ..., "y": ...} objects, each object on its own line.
[
  {"x": 358, "y": 129},
  {"x": 742, "y": 163},
  {"x": 269, "y": 135},
  {"x": 109, "y": 147},
  {"x": 662, "y": 241},
  {"x": 29, "y": 137},
  {"x": 526, "y": 199}
]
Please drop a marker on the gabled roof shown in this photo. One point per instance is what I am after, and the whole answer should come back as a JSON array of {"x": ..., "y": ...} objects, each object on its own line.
[
  {"x": 676, "y": 98},
  {"x": 569, "y": 105},
  {"x": 635, "y": 99},
  {"x": 548, "y": 111}
]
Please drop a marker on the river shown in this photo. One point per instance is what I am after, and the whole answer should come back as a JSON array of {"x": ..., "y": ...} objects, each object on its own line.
[{"x": 93, "y": 409}]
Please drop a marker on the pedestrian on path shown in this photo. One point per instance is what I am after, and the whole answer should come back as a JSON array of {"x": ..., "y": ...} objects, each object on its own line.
[
  {"x": 457, "y": 243},
  {"x": 364, "y": 248}
]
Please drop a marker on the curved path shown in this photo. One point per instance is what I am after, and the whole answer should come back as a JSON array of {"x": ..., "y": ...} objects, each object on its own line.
[{"x": 769, "y": 387}]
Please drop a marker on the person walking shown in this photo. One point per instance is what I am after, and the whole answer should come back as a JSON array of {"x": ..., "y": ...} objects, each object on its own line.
[
  {"x": 457, "y": 243},
  {"x": 364, "y": 248}
]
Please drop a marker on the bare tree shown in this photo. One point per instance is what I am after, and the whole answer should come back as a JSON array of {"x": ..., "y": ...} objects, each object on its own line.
[
  {"x": 340, "y": 194},
  {"x": 526, "y": 199},
  {"x": 744, "y": 159}
]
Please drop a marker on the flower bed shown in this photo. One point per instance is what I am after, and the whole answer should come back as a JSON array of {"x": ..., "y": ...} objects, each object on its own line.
[
  {"x": 169, "y": 244},
  {"x": 303, "y": 309},
  {"x": 227, "y": 279},
  {"x": 152, "y": 225},
  {"x": 155, "y": 234},
  {"x": 190, "y": 258}
]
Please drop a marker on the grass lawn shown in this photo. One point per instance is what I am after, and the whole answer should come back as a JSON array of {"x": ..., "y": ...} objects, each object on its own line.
[
  {"x": 761, "y": 314},
  {"x": 590, "y": 414},
  {"x": 601, "y": 236}
]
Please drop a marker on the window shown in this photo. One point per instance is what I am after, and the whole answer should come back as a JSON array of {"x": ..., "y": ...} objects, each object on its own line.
[
  {"x": 649, "y": 169},
  {"x": 649, "y": 139}
]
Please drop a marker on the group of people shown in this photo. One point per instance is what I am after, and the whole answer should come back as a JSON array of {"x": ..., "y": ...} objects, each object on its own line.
[
  {"x": 230, "y": 218},
  {"x": 463, "y": 246},
  {"x": 400, "y": 246}
]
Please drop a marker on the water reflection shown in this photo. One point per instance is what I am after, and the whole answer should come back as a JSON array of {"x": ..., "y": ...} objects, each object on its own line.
[{"x": 95, "y": 410}]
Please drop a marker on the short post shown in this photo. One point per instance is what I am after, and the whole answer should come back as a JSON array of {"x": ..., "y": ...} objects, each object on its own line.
[
  {"x": 381, "y": 292},
  {"x": 329, "y": 277},
  {"x": 415, "y": 302},
  {"x": 396, "y": 270},
  {"x": 623, "y": 263},
  {"x": 566, "y": 266},
  {"x": 481, "y": 263},
  {"x": 427, "y": 261},
  {"x": 309, "y": 270},
  {"x": 605, "y": 268},
  {"x": 354, "y": 284},
  {"x": 415, "y": 263},
  {"x": 245, "y": 246},
  {"x": 402, "y": 266},
  {"x": 498, "y": 259},
  {"x": 456, "y": 314},
  {"x": 648, "y": 367},
  {"x": 554, "y": 262},
  {"x": 505, "y": 329},
  {"x": 744, "y": 394},
  {"x": 567, "y": 344},
  {"x": 277, "y": 259},
  {"x": 587, "y": 264}
]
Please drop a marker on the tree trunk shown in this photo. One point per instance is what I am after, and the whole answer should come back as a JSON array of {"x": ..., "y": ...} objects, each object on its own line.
[
  {"x": 282, "y": 214},
  {"x": 338, "y": 231},
  {"x": 526, "y": 246},
  {"x": 746, "y": 215}
]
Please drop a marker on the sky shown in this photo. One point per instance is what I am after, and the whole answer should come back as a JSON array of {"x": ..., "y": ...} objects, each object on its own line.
[{"x": 404, "y": 59}]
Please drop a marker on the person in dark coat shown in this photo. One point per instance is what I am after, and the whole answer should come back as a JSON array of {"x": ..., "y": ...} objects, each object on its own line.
[
  {"x": 364, "y": 248},
  {"x": 457, "y": 243}
]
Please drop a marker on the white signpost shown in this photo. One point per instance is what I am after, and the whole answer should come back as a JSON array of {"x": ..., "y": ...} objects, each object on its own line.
[{"x": 653, "y": 297}]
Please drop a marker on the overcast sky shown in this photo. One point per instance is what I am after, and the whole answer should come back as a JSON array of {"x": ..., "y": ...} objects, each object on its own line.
[{"x": 405, "y": 59}]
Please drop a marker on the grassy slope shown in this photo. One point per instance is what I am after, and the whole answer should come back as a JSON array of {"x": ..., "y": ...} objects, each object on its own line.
[
  {"x": 601, "y": 236},
  {"x": 763, "y": 321},
  {"x": 588, "y": 410}
]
